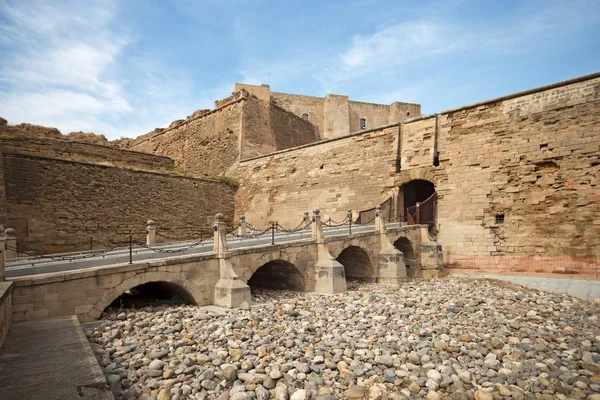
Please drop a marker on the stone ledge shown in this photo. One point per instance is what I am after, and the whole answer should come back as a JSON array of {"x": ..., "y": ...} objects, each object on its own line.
[{"x": 5, "y": 290}]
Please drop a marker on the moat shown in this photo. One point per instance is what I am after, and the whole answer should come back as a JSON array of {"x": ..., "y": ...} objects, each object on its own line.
[{"x": 453, "y": 338}]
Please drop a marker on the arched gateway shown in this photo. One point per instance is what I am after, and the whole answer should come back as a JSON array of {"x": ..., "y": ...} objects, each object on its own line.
[
  {"x": 278, "y": 274},
  {"x": 357, "y": 264},
  {"x": 417, "y": 201}
]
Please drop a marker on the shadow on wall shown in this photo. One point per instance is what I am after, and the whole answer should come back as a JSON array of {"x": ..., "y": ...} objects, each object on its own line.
[{"x": 278, "y": 274}]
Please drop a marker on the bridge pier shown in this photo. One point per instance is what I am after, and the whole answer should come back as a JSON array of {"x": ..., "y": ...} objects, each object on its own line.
[
  {"x": 329, "y": 274},
  {"x": 230, "y": 291},
  {"x": 391, "y": 267},
  {"x": 431, "y": 256}
]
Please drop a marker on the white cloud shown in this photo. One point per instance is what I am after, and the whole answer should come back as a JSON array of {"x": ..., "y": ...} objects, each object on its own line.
[
  {"x": 69, "y": 65},
  {"x": 395, "y": 52},
  {"x": 60, "y": 64}
]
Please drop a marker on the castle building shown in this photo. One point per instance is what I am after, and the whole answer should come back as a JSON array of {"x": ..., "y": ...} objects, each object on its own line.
[{"x": 516, "y": 176}]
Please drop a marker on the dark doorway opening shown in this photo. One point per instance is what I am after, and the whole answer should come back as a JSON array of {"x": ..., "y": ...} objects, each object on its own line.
[{"x": 419, "y": 202}]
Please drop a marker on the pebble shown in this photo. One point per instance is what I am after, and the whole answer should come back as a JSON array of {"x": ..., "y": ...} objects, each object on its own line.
[
  {"x": 454, "y": 338},
  {"x": 299, "y": 395},
  {"x": 156, "y": 364}
]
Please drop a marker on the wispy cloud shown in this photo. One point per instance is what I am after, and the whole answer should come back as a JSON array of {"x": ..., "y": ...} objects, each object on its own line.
[
  {"x": 60, "y": 64},
  {"x": 394, "y": 54},
  {"x": 69, "y": 64},
  {"x": 124, "y": 68}
]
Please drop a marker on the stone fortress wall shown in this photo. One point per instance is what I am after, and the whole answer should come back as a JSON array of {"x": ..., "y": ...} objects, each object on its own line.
[
  {"x": 335, "y": 115},
  {"x": 355, "y": 171},
  {"x": 254, "y": 121},
  {"x": 242, "y": 125},
  {"x": 532, "y": 157},
  {"x": 84, "y": 152},
  {"x": 194, "y": 142},
  {"x": 58, "y": 193}
]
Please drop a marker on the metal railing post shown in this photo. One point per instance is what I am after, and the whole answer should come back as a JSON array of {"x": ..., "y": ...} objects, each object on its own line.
[
  {"x": 130, "y": 249},
  {"x": 418, "y": 221},
  {"x": 350, "y": 220},
  {"x": 2, "y": 258},
  {"x": 273, "y": 233}
]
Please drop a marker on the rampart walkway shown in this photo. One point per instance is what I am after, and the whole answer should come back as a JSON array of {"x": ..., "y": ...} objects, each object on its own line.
[{"x": 50, "y": 360}]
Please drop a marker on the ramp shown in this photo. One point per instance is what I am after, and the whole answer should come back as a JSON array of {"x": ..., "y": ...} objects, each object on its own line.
[{"x": 50, "y": 359}]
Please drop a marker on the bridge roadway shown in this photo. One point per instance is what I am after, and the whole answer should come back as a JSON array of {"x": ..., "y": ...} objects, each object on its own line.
[{"x": 73, "y": 261}]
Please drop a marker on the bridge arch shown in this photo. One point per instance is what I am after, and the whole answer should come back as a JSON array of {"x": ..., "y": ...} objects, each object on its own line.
[
  {"x": 301, "y": 258},
  {"x": 278, "y": 274},
  {"x": 410, "y": 259},
  {"x": 357, "y": 264},
  {"x": 175, "y": 282}
]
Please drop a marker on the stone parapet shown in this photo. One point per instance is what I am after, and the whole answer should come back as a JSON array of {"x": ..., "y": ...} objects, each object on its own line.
[
  {"x": 84, "y": 152},
  {"x": 6, "y": 311}
]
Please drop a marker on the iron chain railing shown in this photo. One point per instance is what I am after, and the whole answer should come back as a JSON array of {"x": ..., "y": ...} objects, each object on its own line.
[{"x": 132, "y": 242}]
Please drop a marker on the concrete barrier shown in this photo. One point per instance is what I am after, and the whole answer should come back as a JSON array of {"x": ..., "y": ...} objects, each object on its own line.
[{"x": 586, "y": 289}]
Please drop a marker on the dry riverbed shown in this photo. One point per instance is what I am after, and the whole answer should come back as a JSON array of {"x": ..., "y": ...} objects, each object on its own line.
[{"x": 457, "y": 339}]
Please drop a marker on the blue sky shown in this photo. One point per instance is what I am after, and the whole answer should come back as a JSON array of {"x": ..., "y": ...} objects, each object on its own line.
[{"x": 123, "y": 68}]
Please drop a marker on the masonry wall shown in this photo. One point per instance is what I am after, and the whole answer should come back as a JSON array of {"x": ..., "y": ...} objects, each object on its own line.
[
  {"x": 85, "y": 152},
  {"x": 353, "y": 172},
  {"x": 206, "y": 145},
  {"x": 533, "y": 157},
  {"x": 57, "y": 205},
  {"x": 402, "y": 111},
  {"x": 268, "y": 128},
  {"x": 336, "y": 116},
  {"x": 298, "y": 105},
  {"x": 290, "y": 131},
  {"x": 374, "y": 114}
]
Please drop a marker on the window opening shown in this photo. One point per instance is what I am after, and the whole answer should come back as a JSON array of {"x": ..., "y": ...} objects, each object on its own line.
[
  {"x": 363, "y": 123},
  {"x": 499, "y": 219}
]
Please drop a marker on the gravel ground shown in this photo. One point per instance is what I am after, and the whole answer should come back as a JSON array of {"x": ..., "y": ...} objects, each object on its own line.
[{"x": 454, "y": 338}]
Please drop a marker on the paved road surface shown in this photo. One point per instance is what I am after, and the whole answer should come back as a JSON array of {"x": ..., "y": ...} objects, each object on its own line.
[
  {"x": 49, "y": 265},
  {"x": 50, "y": 359}
]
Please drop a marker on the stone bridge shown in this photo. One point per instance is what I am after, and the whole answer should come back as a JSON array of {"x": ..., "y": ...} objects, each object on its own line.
[{"x": 223, "y": 277}]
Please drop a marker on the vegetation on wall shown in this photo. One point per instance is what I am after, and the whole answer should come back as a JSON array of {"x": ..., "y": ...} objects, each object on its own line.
[{"x": 229, "y": 180}]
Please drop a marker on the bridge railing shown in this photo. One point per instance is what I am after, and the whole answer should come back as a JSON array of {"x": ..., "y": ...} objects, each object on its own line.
[{"x": 138, "y": 247}]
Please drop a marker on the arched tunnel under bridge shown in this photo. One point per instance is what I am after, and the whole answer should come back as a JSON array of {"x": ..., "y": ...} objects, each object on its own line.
[
  {"x": 152, "y": 293},
  {"x": 410, "y": 261},
  {"x": 278, "y": 274},
  {"x": 357, "y": 265}
]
